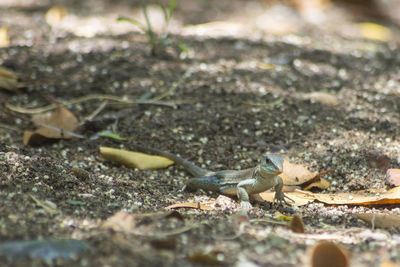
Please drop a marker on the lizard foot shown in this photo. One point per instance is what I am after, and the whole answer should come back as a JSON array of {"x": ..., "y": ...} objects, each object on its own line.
[
  {"x": 280, "y": 197},
  {"x": 245, "y": 205}
]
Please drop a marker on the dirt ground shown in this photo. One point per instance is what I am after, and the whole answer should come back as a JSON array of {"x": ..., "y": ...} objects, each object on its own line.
[{"x": 240, "y": 90}]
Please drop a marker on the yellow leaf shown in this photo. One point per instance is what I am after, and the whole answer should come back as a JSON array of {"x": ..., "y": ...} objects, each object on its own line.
[
  {"x": 8, "y": 79},
  {"x": 265, "y": 66},
  {"x": 281, "y": 217},
  {"x": 55, "y": 15},
  {"x": 375, "y": 32},
  {"x": 135, "y": 159},
  {"x": 4, "y": 39}
]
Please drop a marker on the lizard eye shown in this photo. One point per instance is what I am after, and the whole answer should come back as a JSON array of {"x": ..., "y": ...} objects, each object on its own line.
[{"x": 267, "y": 161}]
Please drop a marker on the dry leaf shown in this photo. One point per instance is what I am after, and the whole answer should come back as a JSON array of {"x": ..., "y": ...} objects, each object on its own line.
[
  {"x": 61, "y": 118},
  {"x": 381, "y": 162},
  {"x": 55, "y": 15},
  {"x": 329, "y": 254},
  {"x": 322, "y": 97},
  {"x": 135, "y": 159},
  {"x": 164, "y": 243},
  {"x": 4, "y": 39},
  {"x": 120, "y": 222},
  {"x": 381, "y": 220},
  {"x": 393, "y": 177},
  {"x": 296, "y": 174},
  {"x": 391, "y": 196},
  {"x": 388, "y": 263},
  {"x": 301, "y": 198},
  {"x": 191, "y": 205},
  {"x": 375, "y": 32},
  {"x": 57, "y": 124},
  {"x": 320, "y": 184},
  {"x": 80, "y": 173},
  {"x": 297, "y": 224},
  {"x": 8, "y": 79},
  {"x": 207, "y": 258}
]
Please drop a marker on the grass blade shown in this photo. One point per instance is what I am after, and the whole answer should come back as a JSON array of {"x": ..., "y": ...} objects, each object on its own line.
[
  {"x": 171, "y": 8},
  {"x": 132, "y": 21}
]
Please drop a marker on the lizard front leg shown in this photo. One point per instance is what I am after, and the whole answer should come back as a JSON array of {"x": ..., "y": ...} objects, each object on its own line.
[
  {"x": 279, "y": 195},
  {"x": 243, "y": 194}
]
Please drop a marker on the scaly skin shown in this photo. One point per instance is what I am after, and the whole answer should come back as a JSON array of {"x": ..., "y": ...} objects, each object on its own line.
[{"x": 243, "y": 183}]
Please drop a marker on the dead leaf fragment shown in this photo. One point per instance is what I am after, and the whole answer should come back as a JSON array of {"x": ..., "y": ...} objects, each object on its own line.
[
  {"x": 386, "y": 221},
  {"x": 381, "y": 162},
  {"x": 8, "y": 79},
  {"x": 80, "y": 173},
  {"x": 214, "y": 257},
  {"x": 328, "y": 254},
  {"x": 120, "y": 222},
  {"x": 191, "y": 205},
  {"x": 322, "y": 97},
  {"x": 4, "y": 39},
  {"x": 135, "y": 159},
  {"x": 297, "y": 224},
  {"x": 57, "y": 124},
  {"x": 297, "y": 174},
  {"x": 319, "y": 183},
  {"x": 393, "y": 177},
  {"x": 55, "y": 15},
  {"x": 164, "y": 243}
]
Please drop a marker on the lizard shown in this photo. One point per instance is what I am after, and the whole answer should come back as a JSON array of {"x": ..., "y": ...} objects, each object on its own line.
[{"x": 242, "y": 183}]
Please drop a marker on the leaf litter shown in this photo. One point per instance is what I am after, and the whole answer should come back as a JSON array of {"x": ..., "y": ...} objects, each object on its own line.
[{"x": 57, "y": 124}]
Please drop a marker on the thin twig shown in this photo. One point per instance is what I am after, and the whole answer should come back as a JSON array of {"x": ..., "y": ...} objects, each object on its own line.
[
  {"x": 171, "y": 89},
  {"x": 96, "y": 111},
  {"x": 269, "y": 104},
  {"x": 9, "y": 127},
  {"x": 61, "y": 131},
  {"x": 88, "y": 98}
]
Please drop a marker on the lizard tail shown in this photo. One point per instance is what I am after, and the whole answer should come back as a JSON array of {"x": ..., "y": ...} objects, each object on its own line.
[{"x": 187, "y": 165}]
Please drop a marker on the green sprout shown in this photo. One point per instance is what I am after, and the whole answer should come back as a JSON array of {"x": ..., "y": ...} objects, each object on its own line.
[{"x": 155, "y": 41}]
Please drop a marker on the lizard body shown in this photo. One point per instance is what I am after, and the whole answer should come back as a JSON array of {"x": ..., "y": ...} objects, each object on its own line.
[{"x": 242, "y": 183}]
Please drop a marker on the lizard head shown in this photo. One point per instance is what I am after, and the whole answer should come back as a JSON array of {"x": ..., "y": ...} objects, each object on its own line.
[{"x": 272, "y": 163}]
